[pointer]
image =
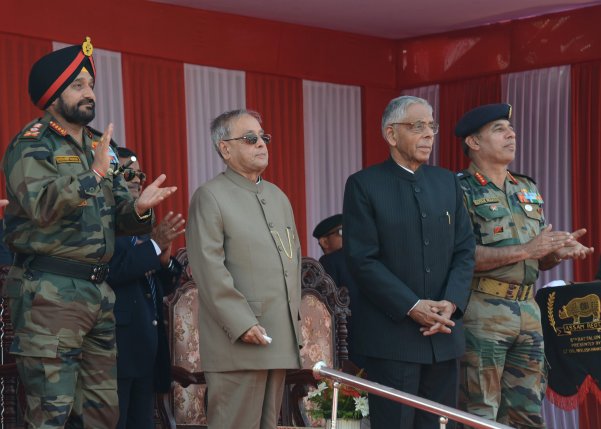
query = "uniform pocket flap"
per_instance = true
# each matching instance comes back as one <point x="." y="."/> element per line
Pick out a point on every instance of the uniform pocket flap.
<point x="38" y="345"/>
<point x="491" y="211"/>
<point x="533" y="211"/>
<point x="498" y="233"/>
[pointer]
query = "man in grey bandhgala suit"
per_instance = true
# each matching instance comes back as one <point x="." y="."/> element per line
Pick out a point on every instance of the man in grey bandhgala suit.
<point x="244" y="252"/>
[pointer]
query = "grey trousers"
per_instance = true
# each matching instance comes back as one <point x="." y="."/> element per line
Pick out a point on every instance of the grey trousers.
<point x="244" y="399"/>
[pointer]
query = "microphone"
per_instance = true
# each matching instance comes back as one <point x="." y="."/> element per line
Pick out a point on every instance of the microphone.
<point x="125" y="165"/>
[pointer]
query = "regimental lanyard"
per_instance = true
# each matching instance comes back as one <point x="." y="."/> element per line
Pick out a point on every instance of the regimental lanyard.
<point x="290" y="235"/>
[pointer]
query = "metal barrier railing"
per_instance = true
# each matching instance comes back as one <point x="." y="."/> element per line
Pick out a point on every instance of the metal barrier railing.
<point x="320" y="370"/>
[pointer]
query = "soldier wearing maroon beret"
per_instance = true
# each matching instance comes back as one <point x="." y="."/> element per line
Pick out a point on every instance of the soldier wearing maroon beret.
<point x="67" y="203"/>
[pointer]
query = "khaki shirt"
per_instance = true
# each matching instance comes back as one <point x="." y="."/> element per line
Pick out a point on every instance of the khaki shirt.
<point x="504" y="218"/>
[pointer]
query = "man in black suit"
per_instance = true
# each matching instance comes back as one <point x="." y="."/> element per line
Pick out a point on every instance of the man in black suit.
<point x="410" y="248"/>
<point x="141" y="272"/>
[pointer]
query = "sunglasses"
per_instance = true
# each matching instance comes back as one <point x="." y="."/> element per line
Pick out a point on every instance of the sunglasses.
<point x="252" y="138"/>
<point x="130" y="173"/>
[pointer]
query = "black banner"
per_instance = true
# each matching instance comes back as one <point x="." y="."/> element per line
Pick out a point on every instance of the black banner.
<point x="571" y="319"/>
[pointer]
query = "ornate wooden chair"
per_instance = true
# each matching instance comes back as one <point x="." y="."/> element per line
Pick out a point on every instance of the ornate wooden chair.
<point x="324" y="309"/>
<point x="184" y="404"/>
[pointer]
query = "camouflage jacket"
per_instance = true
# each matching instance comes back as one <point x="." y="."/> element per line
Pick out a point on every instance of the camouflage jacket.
<point x="504" y="218"/>
<point x="56" y="205"/>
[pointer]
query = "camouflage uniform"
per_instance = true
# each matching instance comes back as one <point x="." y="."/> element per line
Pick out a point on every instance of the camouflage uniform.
<point x="502" y="372"/>
<point x="64" y="326"/>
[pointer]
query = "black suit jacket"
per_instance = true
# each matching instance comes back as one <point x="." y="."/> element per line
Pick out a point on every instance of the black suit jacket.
<point x="142" y="348"/>
<point x="406" y="237"/>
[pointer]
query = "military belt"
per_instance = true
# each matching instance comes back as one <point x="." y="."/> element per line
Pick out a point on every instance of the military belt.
<point x="514" y="292"/>
<point x="95" y="273"/>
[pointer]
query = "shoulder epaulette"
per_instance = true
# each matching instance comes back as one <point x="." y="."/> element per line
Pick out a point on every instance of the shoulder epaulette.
<point x="511" y="174"/>
<point x="462" y="175"/>
<point x="34" y="130"/>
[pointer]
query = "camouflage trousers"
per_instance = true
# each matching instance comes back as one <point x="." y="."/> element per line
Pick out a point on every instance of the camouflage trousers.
<point x="502" y="374"/>
<point x="64" y="346"/>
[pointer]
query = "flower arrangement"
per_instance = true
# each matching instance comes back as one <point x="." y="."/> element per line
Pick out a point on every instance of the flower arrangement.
<point x="352" y="403"/>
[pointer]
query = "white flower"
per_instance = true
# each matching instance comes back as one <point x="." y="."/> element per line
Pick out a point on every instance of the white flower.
<point x="317" y="392"/>
<point x="362" y="406"/>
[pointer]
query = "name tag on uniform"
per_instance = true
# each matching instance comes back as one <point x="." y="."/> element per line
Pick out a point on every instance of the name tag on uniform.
<point x="481" y="201"/>
<point x="67" y="159"/>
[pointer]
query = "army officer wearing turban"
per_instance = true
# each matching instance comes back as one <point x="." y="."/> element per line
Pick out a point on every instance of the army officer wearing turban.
<point x="66" y="205"/>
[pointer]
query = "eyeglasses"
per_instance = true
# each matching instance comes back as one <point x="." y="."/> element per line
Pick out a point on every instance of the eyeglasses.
<point x="130" y="173"/>
<point x="337" y="231"/>
<point x="419" y="127"/>
<point x="252" y="138"/>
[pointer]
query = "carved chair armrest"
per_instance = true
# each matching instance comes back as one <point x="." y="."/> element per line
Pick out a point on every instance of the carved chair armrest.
<point x="185" y="378"/>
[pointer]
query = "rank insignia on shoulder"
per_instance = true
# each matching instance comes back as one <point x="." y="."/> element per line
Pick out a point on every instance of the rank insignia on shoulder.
<point x="480" y="178"/>
<point x="67" y="159"/>
<point x="58" y="129"/>
<point x="33" y="131"/>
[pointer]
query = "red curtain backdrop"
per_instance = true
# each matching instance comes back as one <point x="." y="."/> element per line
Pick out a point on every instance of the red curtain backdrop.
<point x="589" y="412"/>
<point x="279" y="100"/>
<point x="155" y="123"/>
<point x="374" y="101"/>
<point x="17" y="55"/>
<point x="586" y="161"/>
<point x="456" y="98"/>
<point x="210" y="38"/>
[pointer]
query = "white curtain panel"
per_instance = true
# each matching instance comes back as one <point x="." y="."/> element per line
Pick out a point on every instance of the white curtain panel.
<point x="108" y="90"/>
<point x="556" y="418"/>
<point x="332" y="127"/>
<point x="431" y="93"/>
<point x="541" y="116"/>
<point x="209" y="92"/>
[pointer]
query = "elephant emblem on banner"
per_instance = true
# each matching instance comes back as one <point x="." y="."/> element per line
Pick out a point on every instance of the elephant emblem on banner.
<point x="587" y="306"/>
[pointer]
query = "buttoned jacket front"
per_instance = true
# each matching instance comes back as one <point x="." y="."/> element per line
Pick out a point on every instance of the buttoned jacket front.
<point x="244" y="252"/>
